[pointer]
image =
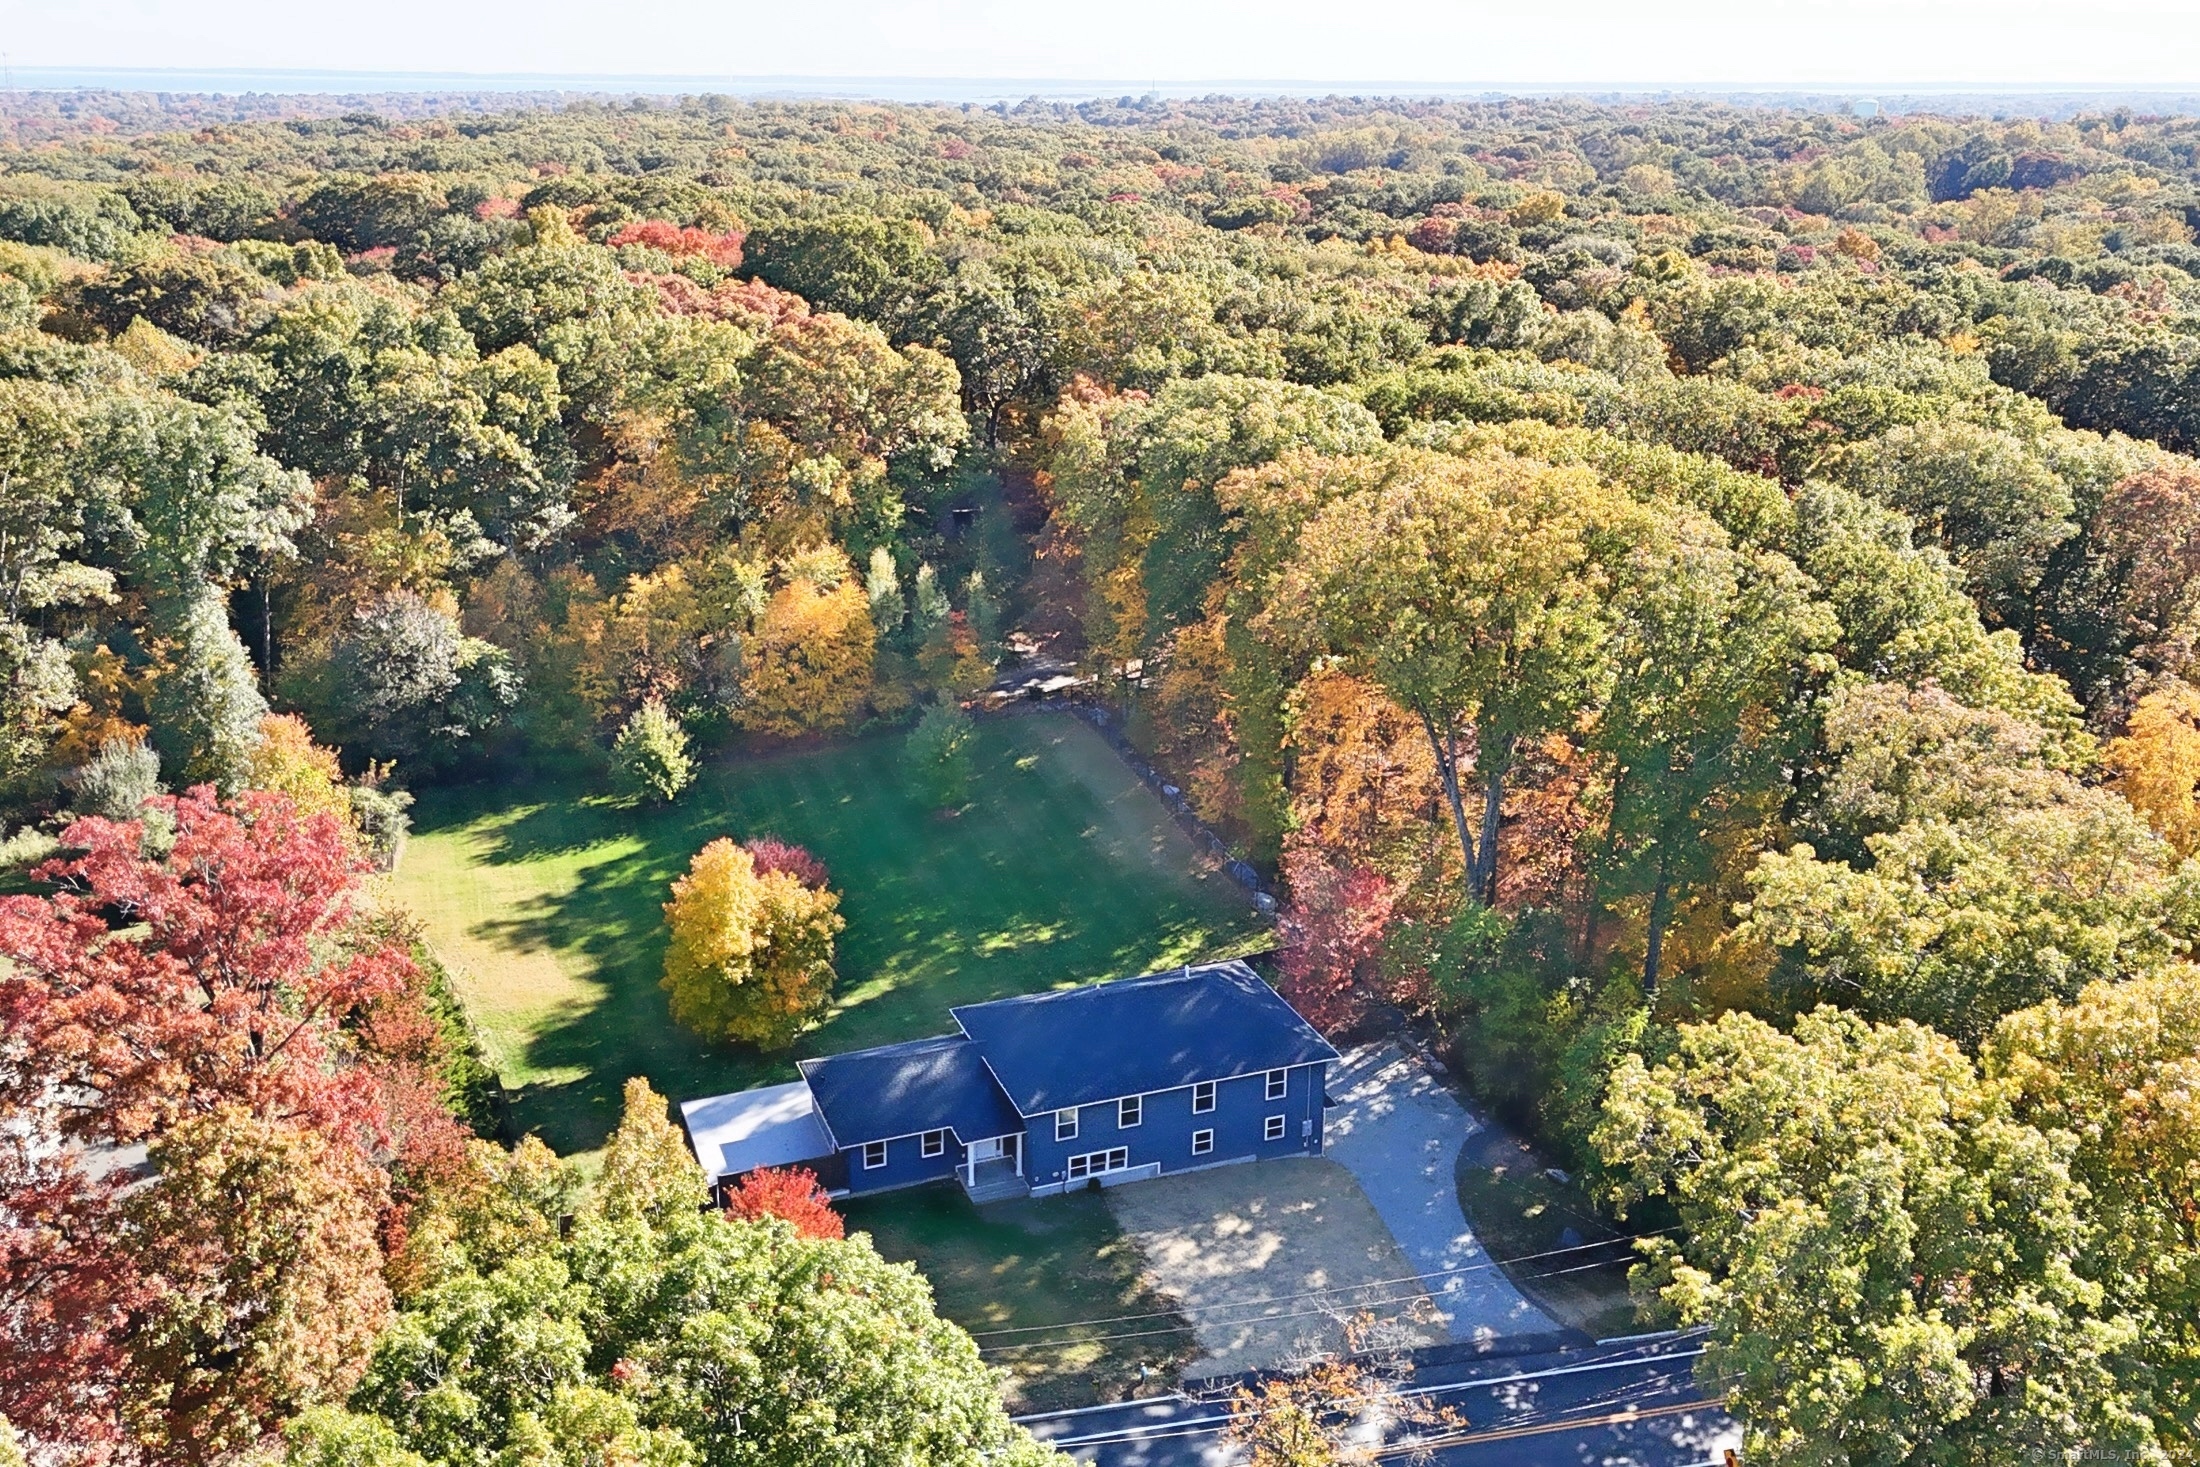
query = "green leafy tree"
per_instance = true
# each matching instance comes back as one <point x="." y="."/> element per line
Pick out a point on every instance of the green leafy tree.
<point x="1471" y="590"/>
<point x="199" y="501"/>
<point x="46" y="508"/>
<point x="121" y="777"/>
<point x="330" y="1436"/>
<point x="655" y="1333"/>
<point x="1954" y="923"/>
<point x="212" y="298"/>
<point x="1887" y="1260"/>
<point x="857" y="264"/>
<point x="2116" y="1069"/>
<point x="402" y="681"/>
<point x="648" y="1169"/>
<point x="882" y="586"/>
<point x="651" y="754"/>
<point x="206" y="705"/>
<point x="935" y="760"/>
<point x="1904" y="616"/>
<point x="1996" y="508"/>
<point x="1711" y="649"/>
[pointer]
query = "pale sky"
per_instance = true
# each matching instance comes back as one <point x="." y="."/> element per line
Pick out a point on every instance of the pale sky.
<point x="1706" y="43"/>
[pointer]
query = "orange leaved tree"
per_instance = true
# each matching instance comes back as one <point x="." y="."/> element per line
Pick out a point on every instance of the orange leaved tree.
<point x="790" y="1193"/>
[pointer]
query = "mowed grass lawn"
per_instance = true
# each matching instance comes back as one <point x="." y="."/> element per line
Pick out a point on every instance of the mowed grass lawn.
<point x="1012" y="1273"/>
<point x="546" y="901"/>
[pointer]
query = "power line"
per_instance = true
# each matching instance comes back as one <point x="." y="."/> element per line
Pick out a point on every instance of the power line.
<point x="1482" y="1266"/>
<point x="1329" y="1310"/>
<point x="1198" y="1425"/>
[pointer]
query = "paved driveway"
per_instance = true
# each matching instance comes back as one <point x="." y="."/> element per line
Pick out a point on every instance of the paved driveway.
<point x="1399" y="1131"/>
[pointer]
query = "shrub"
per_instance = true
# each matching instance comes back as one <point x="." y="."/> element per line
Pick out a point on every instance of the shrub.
<point x="380" y="813"/>
<point x="123" y="775"/>
<point x="651" y="754"/>
<point x="936" y="759"/>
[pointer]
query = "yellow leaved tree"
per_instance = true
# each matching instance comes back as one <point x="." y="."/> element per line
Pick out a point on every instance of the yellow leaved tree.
<point x="2157" y="763"/>
<point x="809" y="662"/>
<point x="288" y="761"/>
<point x="751" y="952"/>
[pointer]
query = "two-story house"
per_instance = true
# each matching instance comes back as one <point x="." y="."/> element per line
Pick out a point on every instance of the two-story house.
<point x="1200" y="1066"/>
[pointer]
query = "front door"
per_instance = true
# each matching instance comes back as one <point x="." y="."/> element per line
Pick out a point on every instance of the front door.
<point x="992" y="1150"/>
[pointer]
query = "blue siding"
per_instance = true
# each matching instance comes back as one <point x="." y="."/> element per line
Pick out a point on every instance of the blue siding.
<point x="1164" y="1134"/>
<point x="906" y="1165"/>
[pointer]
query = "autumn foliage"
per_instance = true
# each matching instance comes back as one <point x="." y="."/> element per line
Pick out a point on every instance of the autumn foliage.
<point x="722" y="250"/>
<point x="769" y="853"/>
<point x="810" y="660"/>
<point x="250" y="957"/>
<point x="751" y="952"/>
<point x="232" y="1002"/>
<point x="789" y="1193"/>
<point x="1332" y="932"/>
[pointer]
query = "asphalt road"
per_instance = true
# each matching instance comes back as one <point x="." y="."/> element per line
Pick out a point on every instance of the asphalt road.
<point x="1635" y="1405"/>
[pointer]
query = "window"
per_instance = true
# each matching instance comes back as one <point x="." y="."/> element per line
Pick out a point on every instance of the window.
<point x="1099" y="1163"/>
<point x="1065" y="1125"/>
<point x="1279" y="1081"/>
<point x="933" y="1144"/>
<point x="1129" y="1111"/>
<point x="1203" y="1097"/>
<point x="1273" y="1129"/>
<point x="1202" y="1142"/>
<point x="874" y="1155"/>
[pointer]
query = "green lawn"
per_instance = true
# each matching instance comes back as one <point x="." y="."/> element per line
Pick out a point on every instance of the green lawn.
<point x="1521" y="1212"/>
<point x="1011" y="1273"/>
<point x="546" y="903"/>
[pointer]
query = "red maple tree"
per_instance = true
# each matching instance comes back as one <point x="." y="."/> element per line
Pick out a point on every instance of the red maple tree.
<point x="221" y="972"/>
<point x="1332" y="930"/>
<point x="773" y="854"/>
<point x="723" y="250"/>
<point x="791" y="1193"/>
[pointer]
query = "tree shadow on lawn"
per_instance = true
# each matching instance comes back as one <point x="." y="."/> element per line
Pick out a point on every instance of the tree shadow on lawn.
<point x="1028" y="890"/>
<point x="1013" y="1272"/>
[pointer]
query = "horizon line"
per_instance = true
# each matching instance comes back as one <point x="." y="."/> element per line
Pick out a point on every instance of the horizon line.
<point x="59" y="78"/>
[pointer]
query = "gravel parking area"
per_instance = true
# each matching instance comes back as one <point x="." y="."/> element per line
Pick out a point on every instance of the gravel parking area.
<point x="1269" y="1259"/>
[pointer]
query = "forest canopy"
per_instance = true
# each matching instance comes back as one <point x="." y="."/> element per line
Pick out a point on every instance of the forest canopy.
<point x="1696" y="605"/>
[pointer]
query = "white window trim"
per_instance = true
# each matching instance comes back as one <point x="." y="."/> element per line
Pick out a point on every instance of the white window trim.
<point x="870" y="1147"/>
<point x="1065" y="1125"/>
<point x="1203" y="1097"/>
<point x="1130" y="1112"/>
<point x="933" y="1143"/>
<point x="1202" y="1142"/>
<point x="1114" y="1159"/>
<point x="1272" y="1129"/>
<point x="1279" y="1084"/>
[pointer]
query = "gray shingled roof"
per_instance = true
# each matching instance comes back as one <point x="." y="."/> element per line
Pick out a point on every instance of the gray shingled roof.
<point x="1139" y="1035"/>
<point x="897" y="1089"/>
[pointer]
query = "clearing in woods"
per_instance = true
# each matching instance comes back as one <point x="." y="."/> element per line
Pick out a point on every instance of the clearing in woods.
<point x="546" y="904"/>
